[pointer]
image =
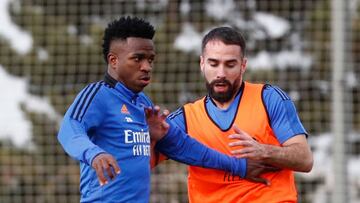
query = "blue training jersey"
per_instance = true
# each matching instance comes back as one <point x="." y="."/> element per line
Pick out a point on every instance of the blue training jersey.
<point x="282" y="113"/>
<point x="107" y="117"/>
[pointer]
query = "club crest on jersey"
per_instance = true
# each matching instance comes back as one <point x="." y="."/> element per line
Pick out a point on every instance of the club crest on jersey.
<point x="128" y="119"/>
<point x="124" y="109"/>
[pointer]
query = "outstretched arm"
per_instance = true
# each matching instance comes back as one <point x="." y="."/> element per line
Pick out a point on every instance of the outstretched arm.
<point x="178" y="146"/>
<point x="181" y="147"/>
<point x="294" y="154"/>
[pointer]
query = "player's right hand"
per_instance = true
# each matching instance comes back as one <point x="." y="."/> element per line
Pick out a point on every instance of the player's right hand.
<point x="105" y="163"/>
<point x="156" y="120"/>
<point x="256" y="168"/>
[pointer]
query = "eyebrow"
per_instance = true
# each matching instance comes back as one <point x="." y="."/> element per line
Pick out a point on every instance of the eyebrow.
<point x="226" y="61"/>
<point x="143" y="55"/>
<point x="212" y="60"/>
<point x="231" y="60"/>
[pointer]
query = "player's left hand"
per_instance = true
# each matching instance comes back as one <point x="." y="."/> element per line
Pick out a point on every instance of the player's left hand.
<point x="250" y="147"/>
<point x="255" y="169"/>
<point x="158" y="126"/>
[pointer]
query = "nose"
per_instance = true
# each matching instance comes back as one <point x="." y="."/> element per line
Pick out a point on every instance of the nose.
<point x="146" y="66"/>
<point x="220" y="72"/>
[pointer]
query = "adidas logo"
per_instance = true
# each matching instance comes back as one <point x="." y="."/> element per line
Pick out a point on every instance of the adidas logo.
<point x="124" y="109"/>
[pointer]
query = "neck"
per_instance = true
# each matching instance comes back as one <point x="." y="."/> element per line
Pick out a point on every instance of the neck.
<point x="115" y="79"/>
<point x="223" y="105"/>
<point x="113" y="74"/>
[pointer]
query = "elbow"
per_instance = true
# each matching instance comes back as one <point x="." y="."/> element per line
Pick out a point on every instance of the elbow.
<point x="307" y="164"/>
<point x="60" y="137"/>
<point x="308" y="167"/>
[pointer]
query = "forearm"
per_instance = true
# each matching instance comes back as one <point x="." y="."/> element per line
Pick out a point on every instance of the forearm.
<point x="295" y="157"/>
<point x="156" y="156"/>
<point x="76" y="143"/>
<point x="181" y="147"/>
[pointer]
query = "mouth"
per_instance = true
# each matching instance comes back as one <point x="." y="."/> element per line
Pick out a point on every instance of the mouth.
<point x="220" y="87"/>
<point x="145" y="79"/>
<point x="220" y="84"/>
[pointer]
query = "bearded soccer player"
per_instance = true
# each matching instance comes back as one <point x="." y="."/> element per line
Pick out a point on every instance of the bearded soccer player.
<point x="254" y="121"/>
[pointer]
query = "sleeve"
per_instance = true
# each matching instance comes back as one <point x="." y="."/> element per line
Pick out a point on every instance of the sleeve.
<point x="82" y="115"/>
<point x="177" y="117"/>
<point x="179" y="146"/>
<point x="284" y="119"/>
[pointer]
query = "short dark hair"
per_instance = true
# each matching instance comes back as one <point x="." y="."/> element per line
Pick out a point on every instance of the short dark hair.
<point x="123" y="28"/>
<point x="227" y="35"/>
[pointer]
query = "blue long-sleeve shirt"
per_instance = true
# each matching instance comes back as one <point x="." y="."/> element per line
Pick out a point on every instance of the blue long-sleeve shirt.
<point x="107" y="117"/>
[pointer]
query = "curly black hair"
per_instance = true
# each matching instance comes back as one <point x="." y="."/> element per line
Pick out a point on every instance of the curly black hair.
<point x="227" y="35"/>
<point x="123" y="28"/>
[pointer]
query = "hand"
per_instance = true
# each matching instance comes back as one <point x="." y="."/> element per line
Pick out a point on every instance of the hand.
<point x="105" y="162"/>
<point x="250" y="147"/>
<point x="255" y="169"/>
<point x="158" y="127"/>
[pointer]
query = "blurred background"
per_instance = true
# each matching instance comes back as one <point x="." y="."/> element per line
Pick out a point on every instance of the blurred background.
<point x="50" y="49"/>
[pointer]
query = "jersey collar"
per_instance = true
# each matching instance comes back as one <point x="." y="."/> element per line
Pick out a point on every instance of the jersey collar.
<point x="119" y="86"/>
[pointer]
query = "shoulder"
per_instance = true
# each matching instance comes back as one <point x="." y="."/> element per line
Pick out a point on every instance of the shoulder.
<point x="90" y="91"/>
<point x="276" y="101"/>
<point x="99" y="92"/>
<point x="93" y="88"/>
<point x="178" y="118"/>
<point x="198" y="101"/>
<point x="272" y="92"/>
<point x="86" y="99"/>
<point x="177" y="113"/>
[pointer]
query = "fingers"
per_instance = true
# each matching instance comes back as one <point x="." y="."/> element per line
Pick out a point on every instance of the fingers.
<point x="272" y="168"/>
<point x="115" y="166"/>
<point x="148" y="112"/>
<point x="152" y="111"/>
<point x="240" y="134"/>
<point x="260" y="180"/>
<point x="100" y="174"/>
<point x="240" y="137"/>
<point x="236" y="129"/>
<point x="110" y="167"/>
<point x="240" y="143"/>
<point x="165" y="125"/>
<point x="165" y="113"/>
<point x="155" y="111"/>
<point x="242" y="153"/>
<point x="105" y="163"/>
<point x="239" y="131"/>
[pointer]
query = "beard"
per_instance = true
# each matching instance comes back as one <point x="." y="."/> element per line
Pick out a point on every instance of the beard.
<point x="223" y="96"/>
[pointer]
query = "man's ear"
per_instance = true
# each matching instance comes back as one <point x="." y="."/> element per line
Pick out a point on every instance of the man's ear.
<point x="202" y="64"/>
<point x="243" y="65"/>
<point x="112" y="59"/>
